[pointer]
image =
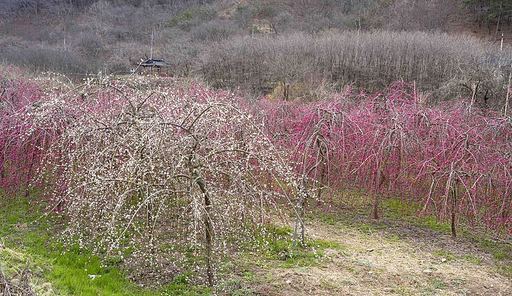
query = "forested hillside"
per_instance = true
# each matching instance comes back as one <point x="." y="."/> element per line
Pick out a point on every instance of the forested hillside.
<point x="79" y="37"/>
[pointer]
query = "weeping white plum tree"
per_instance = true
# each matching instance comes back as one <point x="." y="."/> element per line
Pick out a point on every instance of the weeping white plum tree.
<point x="173" y="170"/>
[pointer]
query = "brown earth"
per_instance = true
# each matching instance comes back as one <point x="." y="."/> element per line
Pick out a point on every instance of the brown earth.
<point x="387" y="263"/>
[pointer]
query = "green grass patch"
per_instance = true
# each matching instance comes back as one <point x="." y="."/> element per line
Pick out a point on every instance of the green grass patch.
<point x="276" y="243"/>
<point x="472" y="259"/>
<point x="449" y="256"/>
<point x="327" y="219"/>
<point x="30" y="240"/>
<point x="501" y="252"/>
<point x="437" y="284"/>
<point x="396" y="209"/>
<point x="498" y="251"/>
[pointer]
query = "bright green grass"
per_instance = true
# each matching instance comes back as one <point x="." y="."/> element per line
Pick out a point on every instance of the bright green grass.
<point x="30" y="240"/>
<point x="277" y="244"/>
<point x="395" y="209"/>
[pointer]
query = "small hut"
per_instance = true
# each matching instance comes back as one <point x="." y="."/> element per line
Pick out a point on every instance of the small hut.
<point x="153" y="63"/>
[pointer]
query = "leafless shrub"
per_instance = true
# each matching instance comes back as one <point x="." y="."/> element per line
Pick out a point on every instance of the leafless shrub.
<point x="214" y="31"/>
<point x="46" y="59"/>
<point x="192" y="16"/>
<point x="90" y="46"/>
<point x="412" y="15"/>
<point x="369" y="59"/>
<point x="182" y="56"/>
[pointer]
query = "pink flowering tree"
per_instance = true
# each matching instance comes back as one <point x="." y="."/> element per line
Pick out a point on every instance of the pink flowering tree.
<point x="21" y="144"/>
<point x="452" y="158"/>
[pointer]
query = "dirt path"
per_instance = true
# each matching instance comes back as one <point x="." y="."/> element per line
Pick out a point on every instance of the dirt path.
<point x="377" y="264"/>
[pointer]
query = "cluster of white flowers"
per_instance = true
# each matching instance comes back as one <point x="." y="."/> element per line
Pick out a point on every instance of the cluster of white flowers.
<point x="146" y="170"/>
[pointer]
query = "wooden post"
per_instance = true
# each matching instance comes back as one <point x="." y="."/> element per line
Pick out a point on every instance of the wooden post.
<point x="152" y="39"/>
<point x="473" y="96"/>
<point x="498" y="23"/>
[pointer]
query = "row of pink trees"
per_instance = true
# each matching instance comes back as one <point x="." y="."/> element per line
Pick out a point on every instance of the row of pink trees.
<point x="30" y="123"/>
<point x="453" y="160"/>
<point x="20" y="142"/>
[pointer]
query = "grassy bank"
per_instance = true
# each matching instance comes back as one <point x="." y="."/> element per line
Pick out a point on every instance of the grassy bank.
<point x="28" y="241"/>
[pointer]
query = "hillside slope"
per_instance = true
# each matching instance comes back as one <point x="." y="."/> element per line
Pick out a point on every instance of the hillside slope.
<point x="82" y="36"/>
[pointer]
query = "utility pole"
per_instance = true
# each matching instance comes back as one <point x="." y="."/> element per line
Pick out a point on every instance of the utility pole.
<point x="152" y="39"/>
<point x="498" y="23"/>
<point x="507" y="98"/>
<point x="501" y="44"/>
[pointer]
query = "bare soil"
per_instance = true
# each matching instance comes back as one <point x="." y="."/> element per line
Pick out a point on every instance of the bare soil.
<point x="394" y="261"/>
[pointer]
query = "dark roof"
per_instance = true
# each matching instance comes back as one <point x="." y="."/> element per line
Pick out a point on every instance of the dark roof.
<point x="154" y="62"/>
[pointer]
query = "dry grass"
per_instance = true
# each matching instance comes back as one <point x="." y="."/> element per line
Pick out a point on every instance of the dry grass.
<point x="373" y="264"/>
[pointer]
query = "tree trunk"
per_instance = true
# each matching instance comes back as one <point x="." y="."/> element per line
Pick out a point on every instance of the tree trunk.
<point x="208" y="228"/>
<point x="375" y="207"/>
<point x="286" y="91"/>
<point x="198" y="179"/>
<point x="323" y="163"/>
<point x="29" y="174"/>
<point x="454" y="209"/>
<point x="321" y="184"/>
<point x="376" y="194"/>
<point x="2" y="169"/>
<point x="299" y="231"/>
<point x="150" y="219"/>
<point x="507" y="98"/>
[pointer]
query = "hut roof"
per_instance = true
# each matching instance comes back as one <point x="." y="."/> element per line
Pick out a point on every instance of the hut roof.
<point x="153" y="63"/>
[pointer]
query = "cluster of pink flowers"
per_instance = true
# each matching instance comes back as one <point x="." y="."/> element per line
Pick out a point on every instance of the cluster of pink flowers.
<point x="451" y="155"/>
<point x="20" y="144"/>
